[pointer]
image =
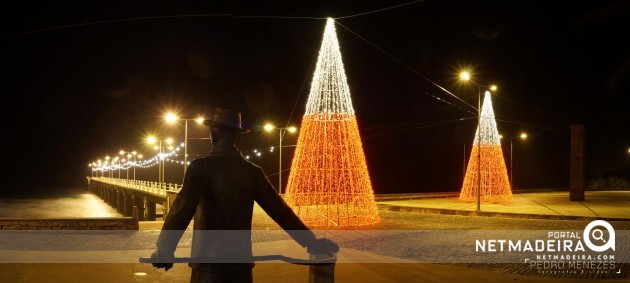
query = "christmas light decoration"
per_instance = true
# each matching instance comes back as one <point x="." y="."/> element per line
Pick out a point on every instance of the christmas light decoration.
<point x="495" y="185"/>
<point x="329" y="184"/>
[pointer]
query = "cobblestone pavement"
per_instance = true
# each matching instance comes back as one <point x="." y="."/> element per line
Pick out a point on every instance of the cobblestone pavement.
<point x="419" y="237"/>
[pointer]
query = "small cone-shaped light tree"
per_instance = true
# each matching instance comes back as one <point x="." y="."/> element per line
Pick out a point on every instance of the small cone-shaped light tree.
<point x="495" y="185"/>
<point x="329" y="184"/>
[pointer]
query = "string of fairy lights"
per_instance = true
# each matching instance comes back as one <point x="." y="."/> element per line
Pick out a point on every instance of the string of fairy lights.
<point x="120" y="163"/>
<point x="116" y="163"/>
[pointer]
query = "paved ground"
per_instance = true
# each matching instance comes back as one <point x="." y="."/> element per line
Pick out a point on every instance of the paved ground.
<point x="547" y="205"/>
<point x="385" y="252"/>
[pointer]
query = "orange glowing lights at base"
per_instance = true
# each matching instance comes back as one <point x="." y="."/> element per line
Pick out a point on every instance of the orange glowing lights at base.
<point x="494" y="179"/>
<point x="329" y="184"/>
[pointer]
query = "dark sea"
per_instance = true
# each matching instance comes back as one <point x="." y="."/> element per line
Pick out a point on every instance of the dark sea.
<point x="55" y="203"/>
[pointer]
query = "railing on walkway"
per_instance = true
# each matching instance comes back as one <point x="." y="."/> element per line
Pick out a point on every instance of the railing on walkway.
<point x="155" y="188"/>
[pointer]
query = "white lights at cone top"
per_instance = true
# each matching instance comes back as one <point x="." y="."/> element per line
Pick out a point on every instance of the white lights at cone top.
<point x="489" y="131"/>
<point x="329" y="89"/>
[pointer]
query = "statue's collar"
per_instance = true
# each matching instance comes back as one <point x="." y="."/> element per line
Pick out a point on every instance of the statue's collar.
<point x="228" y="150"/>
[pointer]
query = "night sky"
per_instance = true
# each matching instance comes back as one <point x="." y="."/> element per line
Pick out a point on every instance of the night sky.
<point x="71" y="95"/>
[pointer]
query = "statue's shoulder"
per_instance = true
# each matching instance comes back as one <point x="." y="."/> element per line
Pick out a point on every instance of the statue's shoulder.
<point x="251" y="165"/>
<point x="200" y="161"/>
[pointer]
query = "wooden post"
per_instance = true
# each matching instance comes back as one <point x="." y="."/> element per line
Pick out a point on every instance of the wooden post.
<point x="321" y="273"/>
<point x="576" y="181"/>
<point x="150" y="206"/>
<point x="135" y="216"/>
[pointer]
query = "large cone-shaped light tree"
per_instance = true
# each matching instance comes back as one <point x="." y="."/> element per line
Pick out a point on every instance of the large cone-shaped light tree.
<point x="329" y="184"/>
<point x="495" y="185"/>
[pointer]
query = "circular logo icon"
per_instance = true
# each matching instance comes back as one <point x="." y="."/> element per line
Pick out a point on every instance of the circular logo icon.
<point x="601" y="244"/>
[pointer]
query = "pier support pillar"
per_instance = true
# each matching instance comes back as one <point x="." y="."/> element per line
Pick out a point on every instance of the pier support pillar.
<point x="139" y="202"/>
<point x="108" y="200"/>
<point x="119" y="207"/>
<point x="150" y="206"/>
<point x="128" y="204"/>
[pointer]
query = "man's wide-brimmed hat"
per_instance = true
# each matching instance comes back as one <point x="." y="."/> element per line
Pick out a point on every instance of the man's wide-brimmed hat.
<point x="226" y="119"/>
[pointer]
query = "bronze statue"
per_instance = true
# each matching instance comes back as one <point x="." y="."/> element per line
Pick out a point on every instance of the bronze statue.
<point x="220" y="190"/>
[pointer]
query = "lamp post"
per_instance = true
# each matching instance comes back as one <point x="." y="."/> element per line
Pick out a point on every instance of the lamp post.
<point x="522" y="136"/>
<point x="152" y="140"/>
<point x="172" y="118"/>
<point x="129" y="158"/>
<point x="122" y="153"/>
<point x="99" y="164"/>
<point x="117" y="162"/>
<point x="465" y="76"/>
<point x="138" y="156"/>
<point x="106" y="164"/>
<point x="281" y="131"/>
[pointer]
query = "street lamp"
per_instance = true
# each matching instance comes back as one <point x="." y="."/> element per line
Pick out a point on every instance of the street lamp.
<point x="465" y="76"/>
<point x="152" y="140"/>
<point x="106" y="163"/>
<point x="91" y="170"/>
<point x="171" y="118"/>
<point x="122" y="153"/>
<point x="138" y="156"/>
<point x="99" y="163"/>
<point x="133" y="155"/>
<point x="117" y="162"/>
<point x="269" y="127"/>
<point x="522" y="136"/>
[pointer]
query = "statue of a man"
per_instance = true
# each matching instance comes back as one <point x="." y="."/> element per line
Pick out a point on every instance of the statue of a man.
<point x="220" y="190"/>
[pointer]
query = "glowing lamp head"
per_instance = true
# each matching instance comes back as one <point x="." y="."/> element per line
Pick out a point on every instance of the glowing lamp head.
<point x="170" y="147"/>
<point x="465" y="76"/>
<point x="494" y="87"/>
<point x="200" y="120"/>
<point x="292" y="129"/>
<point x="500" y="136"/>
<point x="269" y="127"/>
<point x="171" y="118"/>
<point x="121" y="152"/>
<point x="107" y="157"/>
<point x="169" y="141"/>
<point x="134" y="152"/>
<point x="151" y="139"/>
<point x="139" y="156"/>
<point x="523" y="136"/>
<point x="156" y="147"/>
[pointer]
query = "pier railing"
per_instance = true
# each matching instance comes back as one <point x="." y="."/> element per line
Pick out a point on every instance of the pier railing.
<point x="155" y="188"/>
